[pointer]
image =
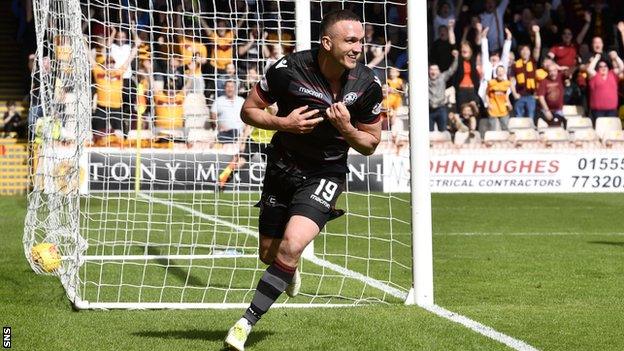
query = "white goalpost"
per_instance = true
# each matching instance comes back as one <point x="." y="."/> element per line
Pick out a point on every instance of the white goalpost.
<point x="129" y="149"/>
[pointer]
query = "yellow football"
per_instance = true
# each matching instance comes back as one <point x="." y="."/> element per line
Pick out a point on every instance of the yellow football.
<point x="46" y="256"/>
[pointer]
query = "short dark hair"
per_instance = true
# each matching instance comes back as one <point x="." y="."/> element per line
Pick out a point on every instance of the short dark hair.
<point x="336" y="16"/>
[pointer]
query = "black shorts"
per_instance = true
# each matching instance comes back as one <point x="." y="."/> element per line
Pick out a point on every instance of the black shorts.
<point x="287" y="192"/>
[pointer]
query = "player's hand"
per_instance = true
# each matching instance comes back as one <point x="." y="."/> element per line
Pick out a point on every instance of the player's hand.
<point x="620" y="26"/>
<point x="300" y="122"/>
<point x="339" y="116"/>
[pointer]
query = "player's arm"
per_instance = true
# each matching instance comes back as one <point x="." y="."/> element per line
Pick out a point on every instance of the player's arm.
<point x="363" y="137"/>
<point x="297" y="122"/>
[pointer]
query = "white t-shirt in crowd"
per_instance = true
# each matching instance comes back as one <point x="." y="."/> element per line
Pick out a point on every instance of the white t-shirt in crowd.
<point x="228" y="112"/>
<point x="120" y="54"/>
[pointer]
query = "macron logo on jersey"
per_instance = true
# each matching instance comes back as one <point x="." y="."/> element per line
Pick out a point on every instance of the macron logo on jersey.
<point x="281" y="63"/>
<point x="311" y="92"/>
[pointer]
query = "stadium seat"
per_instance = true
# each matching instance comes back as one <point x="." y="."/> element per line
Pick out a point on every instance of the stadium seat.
<point x="463" y="138"/>
<point x="556" y="137"/>
<point x="585" y="138"/>
<point x="611" y="137"/>
<point x="440" y="140"/>
<point x="522" y="136"/>
<point x="573" y="110"/>
<point x="575" y="123"/>
<point x="440" y="137"/>
<point x="497" y="139"/>
<point x="586" y="134"/>
<point x="605" y="124"/>
<point x="521" y="123"/>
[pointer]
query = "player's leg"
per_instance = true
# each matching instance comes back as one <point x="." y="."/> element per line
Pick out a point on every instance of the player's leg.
<point x="272" y="223"/>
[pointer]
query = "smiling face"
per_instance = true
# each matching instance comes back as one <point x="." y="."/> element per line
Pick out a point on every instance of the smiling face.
<point x="434" y="72"/>
<point x="343" y="42"/>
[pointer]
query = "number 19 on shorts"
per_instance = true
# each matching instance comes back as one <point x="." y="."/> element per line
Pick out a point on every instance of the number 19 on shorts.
<point x="326" y="189"/>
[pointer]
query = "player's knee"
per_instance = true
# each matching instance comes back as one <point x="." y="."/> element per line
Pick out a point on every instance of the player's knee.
<point x="291" y="249"/>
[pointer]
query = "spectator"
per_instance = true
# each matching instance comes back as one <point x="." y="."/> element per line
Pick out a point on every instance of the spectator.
<point x="565" y="53"/>
<point x="12" y="122"/>
<point x="389" y="106"/>
<point x="444" y="14"/>
<point x="169" y="110"/>
<point x="525" y="78"/>
<point x="226" y="113"/>
<point x="488" y="62"/>
<point x="251" y="79"/>
<point x="195" y="107"/>
<point x="493" y="18"/>
<point x="222" y="39"/>
<point x="466" y="120"/>
<point x="230" y="74"/>
<point x="109" y="89"/>
<point x="396" y="85"/>
<point x="249" y="53"/>
<point x="603" y="85"/>
<point x="379" y="63"/>
<point x="466" y="78"/>
<point x="121" y="51"/>
<point x="273" y="53"/>
<point x="499" y="104"/>
<point x="438" y="113"/>
<point x="441" y="48"/>
<point x="550" y="96"/>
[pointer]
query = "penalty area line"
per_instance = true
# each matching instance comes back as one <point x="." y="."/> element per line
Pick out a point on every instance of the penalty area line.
<point x="482" y="329"/>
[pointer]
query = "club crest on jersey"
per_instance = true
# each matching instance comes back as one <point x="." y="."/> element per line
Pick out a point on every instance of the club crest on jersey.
<point x="350" y="98"/>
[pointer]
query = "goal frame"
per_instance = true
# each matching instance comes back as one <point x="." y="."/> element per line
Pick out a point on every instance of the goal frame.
<point x="421" y="290"/>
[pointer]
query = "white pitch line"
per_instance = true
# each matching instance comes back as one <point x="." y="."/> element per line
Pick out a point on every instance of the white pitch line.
<point x="435" y="309"/>
<point x="529" y="234"/>
<point x="479" y="328"/>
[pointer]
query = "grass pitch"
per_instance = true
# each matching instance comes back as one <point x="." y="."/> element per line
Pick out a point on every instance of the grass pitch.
<point x="546" y="269"/>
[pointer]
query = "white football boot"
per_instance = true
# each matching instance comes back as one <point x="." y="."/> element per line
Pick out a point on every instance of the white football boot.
<point x="237" y="335"/>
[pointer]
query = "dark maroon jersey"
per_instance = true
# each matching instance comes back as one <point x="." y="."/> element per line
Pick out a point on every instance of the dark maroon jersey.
<point x="296" y="80"/>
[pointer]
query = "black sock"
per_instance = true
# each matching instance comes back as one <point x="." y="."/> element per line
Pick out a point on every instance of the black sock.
<point x="272" y="284"/>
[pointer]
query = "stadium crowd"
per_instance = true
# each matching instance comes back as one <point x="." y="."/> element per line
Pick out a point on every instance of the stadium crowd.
<point x="495" y="60"/>
<point x="184" y="76"/>
<point x="490" y="62"/>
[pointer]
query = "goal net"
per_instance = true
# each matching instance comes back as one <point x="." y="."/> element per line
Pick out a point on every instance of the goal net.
<point x="140" y="174"/>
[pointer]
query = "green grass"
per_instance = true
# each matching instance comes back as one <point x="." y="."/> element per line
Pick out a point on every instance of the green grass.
<point x="546" y="269"/>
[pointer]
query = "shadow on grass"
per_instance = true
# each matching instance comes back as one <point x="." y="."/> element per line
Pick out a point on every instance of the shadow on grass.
<point x="612" y="243"/>
<point x="198" y="334"/>
<point x="180" y="273"/>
